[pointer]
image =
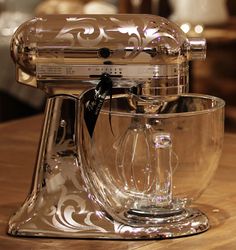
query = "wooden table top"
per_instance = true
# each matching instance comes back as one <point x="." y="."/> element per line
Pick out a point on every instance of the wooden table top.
<point x="18" y="147"/>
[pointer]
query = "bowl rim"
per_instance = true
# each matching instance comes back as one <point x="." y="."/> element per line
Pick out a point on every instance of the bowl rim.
<point x="218" y="104"/>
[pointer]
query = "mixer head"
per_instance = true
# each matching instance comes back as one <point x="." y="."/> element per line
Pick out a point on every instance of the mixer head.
<point x="57" y="52"/>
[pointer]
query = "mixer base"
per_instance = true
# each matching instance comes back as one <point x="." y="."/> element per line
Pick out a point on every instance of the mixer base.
<point x="192" y="222"/>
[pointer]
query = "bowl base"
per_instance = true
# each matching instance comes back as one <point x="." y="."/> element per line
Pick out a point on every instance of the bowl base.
<point x="188" y="221"/>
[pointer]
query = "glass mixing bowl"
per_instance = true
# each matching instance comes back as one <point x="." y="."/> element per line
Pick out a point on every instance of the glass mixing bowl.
<point x="146" y="167"/>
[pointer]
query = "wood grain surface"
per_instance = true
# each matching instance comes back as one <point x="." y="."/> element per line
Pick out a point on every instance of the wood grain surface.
<point x="18" y="147"/>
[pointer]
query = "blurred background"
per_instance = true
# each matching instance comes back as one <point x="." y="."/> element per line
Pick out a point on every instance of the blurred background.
<point x="213" y="19"/>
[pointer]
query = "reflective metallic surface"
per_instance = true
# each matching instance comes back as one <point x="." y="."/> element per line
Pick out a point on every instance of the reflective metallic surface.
<point x="54" y="48"/>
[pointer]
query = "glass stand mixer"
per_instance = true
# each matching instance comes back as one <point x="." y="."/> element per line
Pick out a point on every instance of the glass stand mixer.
<point x="124" y="148"/>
